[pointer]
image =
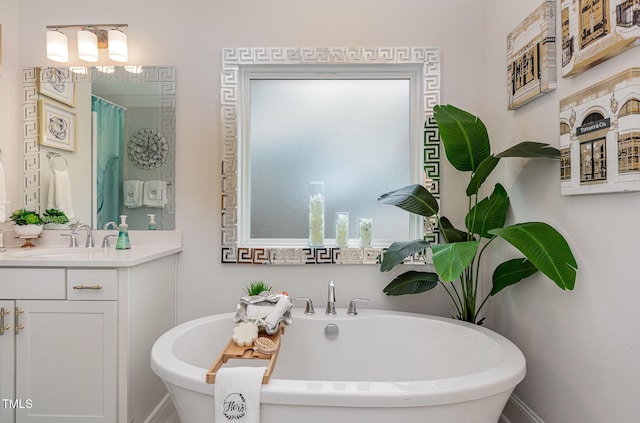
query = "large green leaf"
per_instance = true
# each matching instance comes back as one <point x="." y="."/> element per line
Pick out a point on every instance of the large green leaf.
<point x="412" y="198"/>
<point x="450" y="260"/>
<point x="490" y="213"/>
<point x="451" y="234"/>
<point x="545" y="247"/>
<point x="398" y="251"/>
<point x="531" y="149"/>
<point x="481" y="174"/>
<point x="464" y="136"/>
<point x="510" y="272"/>
<point x="412" y="282"/>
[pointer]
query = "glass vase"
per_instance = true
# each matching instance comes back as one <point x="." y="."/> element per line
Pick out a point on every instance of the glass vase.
<point x="365" y="231"/>
<point x="342" y="229"/>
<point x="316" y="214"/>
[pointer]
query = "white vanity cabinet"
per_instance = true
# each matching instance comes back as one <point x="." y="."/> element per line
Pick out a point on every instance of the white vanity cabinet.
<point x="76" y="341"/>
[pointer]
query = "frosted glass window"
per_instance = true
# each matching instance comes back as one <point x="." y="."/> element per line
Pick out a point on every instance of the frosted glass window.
<point x="353" y="134"/>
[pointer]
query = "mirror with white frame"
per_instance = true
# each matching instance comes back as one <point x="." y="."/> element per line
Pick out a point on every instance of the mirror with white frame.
<point x="357" y="119"/>
<point x="99" y="142"/>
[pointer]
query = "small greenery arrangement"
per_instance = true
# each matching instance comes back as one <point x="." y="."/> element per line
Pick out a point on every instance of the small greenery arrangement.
<point x="29" y="217"/>
<point x="54" y="216"/>
<point x="23" y="217"/>
<point x="257" y="287"/>
<point x="457" y="260"/>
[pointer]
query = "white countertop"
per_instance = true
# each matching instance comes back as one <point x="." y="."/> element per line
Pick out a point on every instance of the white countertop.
<point x="50" y="252"/>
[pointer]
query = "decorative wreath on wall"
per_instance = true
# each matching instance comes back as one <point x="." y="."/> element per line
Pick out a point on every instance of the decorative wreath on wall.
<point x="148" y="149"/>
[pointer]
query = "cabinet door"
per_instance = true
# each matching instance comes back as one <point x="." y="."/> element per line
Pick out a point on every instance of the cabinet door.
<point x="66" y="361"/>
<point x="7" y="361"/>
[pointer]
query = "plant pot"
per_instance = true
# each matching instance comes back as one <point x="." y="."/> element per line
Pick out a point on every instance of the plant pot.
<point x="28" y="230"/>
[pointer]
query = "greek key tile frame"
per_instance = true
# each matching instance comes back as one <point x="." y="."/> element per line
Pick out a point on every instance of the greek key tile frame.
<point x="232" y="59"/>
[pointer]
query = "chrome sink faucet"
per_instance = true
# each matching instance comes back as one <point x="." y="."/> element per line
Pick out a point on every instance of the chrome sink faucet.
<point x="80" y="226"/>
<point x="331" y="300"/>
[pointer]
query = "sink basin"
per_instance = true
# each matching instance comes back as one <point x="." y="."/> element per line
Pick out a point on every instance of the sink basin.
<point x="62" y="253"/>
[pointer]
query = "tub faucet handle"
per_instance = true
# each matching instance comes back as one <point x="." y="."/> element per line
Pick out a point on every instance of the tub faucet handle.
<point x="351" y="311"/>
<point x="308" y="309"/>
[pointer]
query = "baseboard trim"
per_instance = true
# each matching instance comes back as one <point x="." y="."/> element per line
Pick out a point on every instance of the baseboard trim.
<point x="164" y="412"/>
<point x="516" y="411"/>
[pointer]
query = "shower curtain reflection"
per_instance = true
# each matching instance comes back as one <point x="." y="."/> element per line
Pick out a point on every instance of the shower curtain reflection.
<point x="109" y="130"/>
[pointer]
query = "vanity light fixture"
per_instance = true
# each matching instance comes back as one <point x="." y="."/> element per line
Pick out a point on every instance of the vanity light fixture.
<point x="90" y="39"/>
<point x="57" y="46"/>
<point x="87" y="45"/>
<point x="118" y="51"/>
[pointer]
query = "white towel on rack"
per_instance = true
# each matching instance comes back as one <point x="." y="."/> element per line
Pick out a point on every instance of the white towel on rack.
<point x="237" y="394"/>
<point x="155" y="194"/>
<point x="132" y="192"/>
<point x="3" y="195"/>
<point x="59" y="196"/>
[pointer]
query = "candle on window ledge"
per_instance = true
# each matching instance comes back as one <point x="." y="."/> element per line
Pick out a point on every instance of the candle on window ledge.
<point x="316" y="213"/>
<point x="342" y="229"/>
<point x="365" y="228"/>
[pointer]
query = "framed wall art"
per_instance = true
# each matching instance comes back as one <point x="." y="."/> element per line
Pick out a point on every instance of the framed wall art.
<point x="531" y="56"/>
<point x="595" y="30"/>
<point x="600" y="137"/>
<point x="57" y="125"/>
<point x="58" y="84"/>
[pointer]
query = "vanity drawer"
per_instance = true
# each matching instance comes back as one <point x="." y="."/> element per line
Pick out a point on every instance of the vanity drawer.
<point x="92" y="284"/>
<point x="32" y="284"/>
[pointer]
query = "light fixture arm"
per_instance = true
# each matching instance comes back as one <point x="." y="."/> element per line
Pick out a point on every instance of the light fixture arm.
<point x="116" y="26"/>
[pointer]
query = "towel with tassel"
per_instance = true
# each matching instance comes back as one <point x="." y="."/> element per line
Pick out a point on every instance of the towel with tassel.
<point x="132" y="192"/>
<point x="155" y="194"/>
<point x="3" y="195"/>
<point x="237" y="394"/>
<point x="59" y="195"/>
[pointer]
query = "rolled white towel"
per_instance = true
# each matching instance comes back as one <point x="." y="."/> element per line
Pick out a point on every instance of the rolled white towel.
<point x="259" y="311"/>
<point x="281" y="307"/>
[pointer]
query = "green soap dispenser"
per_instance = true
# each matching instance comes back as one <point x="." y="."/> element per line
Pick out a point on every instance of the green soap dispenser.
<point x="123" y="242"/>
<point x="152" y="222"/>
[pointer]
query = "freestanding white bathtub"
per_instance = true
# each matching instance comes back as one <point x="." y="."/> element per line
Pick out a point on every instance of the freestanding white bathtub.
<point x="383" y="366"/>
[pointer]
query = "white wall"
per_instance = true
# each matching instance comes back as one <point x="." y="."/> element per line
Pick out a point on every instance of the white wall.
<point x="581" y="346"/>
<point x="190" y="35"/>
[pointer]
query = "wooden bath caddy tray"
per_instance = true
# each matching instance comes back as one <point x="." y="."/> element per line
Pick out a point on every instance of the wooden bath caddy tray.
<point x="236" y="352"/>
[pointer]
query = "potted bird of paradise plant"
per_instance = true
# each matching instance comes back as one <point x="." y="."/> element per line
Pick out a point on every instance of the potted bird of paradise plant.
<point x="457" y="259"/>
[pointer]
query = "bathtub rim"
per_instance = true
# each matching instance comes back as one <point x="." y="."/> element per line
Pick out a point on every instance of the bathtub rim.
<point x="499" y="379"/>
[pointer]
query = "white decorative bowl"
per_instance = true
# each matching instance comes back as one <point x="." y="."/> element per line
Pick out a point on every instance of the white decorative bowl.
<point x="28" y="230"/>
